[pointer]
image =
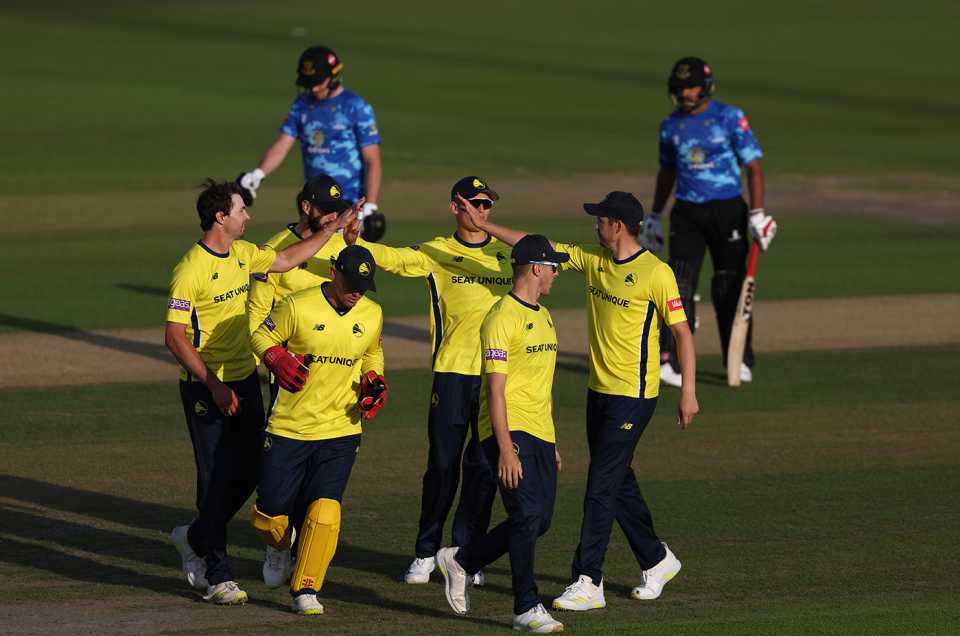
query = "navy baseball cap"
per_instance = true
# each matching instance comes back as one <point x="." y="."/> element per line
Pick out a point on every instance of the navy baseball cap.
<point x="325" y="193"/>
<point x="316" y="64"/>
<point x="469" y="187"/>
<point x="689" y="71"/>
<point x="619" y="205"/>
<point x="357" y="266"/>
<point x="536" y="248"/>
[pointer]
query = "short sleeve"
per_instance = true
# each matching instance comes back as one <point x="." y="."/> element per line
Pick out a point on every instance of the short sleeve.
<point x="263" y="289"/>
<point x="496" y="332"/>
<point x="580" y="258"/>
<point x="184" y="293"/>
<point x="291" y="125"/>
<point x="275" y="328"/>
<point x="745" y="144"/>
<point x="365" y="125"/>
<point x="259" y="258"/>
<point x="668" y="152"/>
<point x="666" y="296"/>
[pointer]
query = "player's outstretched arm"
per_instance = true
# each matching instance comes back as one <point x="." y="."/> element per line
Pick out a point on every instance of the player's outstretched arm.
<point x="175" y="337"/>
<point x="299" y="252"/>
<point x="688" y="407"/>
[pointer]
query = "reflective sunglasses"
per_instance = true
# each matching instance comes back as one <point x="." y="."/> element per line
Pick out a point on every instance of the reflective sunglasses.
<point x="555" y="266"/>
<point x="481" y="204"/>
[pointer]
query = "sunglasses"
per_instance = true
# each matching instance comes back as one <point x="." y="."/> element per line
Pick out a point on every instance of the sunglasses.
<point x="547" y="263"/>
<point x="481" y="204"/>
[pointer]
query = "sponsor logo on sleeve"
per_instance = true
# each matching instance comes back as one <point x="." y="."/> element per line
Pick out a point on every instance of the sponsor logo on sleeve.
<point x="495" y="354"/>
<point x="178" y="304"/>
<point x="268" y="321"/>
<point x="744" y="124"/>
<point x="260" y="277"/>
<point x="675" y="305"/>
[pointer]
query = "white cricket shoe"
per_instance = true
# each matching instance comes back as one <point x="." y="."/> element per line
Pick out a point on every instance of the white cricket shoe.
<point x="581" y="595"/>
<point x="419" y="571"/>
<point x="278" y="565"/>
<point x="479" y="580"/>
<point x="537" y="621"/>
<point x="656" y="577"/>
<point x="226" y="593"/>
<point x="670" y="377"/>
<point x="746" y="374"/>
<point x="307" y="605"/>
<point x="456" y="583"/>
<point x="194" y="567"/>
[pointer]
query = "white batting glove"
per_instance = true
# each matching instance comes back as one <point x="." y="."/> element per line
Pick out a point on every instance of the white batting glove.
<point x="652" y="235"/>
<point x="367" y="210"/>
<point x="763" y="227"/>
<point x="251" y="181"/>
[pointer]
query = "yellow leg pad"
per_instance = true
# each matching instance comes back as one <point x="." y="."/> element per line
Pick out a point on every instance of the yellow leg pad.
<point x="272" y="530"/>
<point x="318" y="542"/>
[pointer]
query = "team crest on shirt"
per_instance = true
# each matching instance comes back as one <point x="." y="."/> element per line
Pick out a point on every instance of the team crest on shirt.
<point x="358" y="330"/>
<point x="630" y="280"/>
<point x="316" y="138"/>
<point x="200" y="408"/>
<point x="697" y="155"/>
<point x="501" y="257"/>
<point x="215" y="276"/>
<point x="529" y="325"/>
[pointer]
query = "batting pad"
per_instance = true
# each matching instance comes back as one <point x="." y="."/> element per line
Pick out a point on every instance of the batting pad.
<point x="321" y="529"/>
<point x="272" y="530"/>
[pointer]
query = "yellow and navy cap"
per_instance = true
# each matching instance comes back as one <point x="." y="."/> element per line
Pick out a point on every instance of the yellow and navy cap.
<point x="357" y="266"/>
<point x="469" y="187"/>
<point x="536" y="248"/>
<point x="325" y="193"/>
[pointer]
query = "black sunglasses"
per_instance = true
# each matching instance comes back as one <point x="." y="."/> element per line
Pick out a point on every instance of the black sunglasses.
<point x="481" y="204"/>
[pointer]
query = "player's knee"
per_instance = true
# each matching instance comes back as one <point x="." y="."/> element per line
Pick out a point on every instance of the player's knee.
<point x="272" y="529"/>
<point x="544" y="525"/>
<point x="725" y="285"/>
<point x="324" y="512"/>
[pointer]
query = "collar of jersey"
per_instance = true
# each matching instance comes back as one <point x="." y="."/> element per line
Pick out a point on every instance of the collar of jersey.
<point x="293" y="230"/>
<point x="629" y="258"/>
<point x="482" y="243"/>
<point x="211" y="252"/>
<point x="524" y="303"/>
<point x="340" y="310"/>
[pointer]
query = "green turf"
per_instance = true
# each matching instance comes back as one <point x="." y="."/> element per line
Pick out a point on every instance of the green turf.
<point x="139" y="95"/>
<point x="97" y="279"/>
<point x="818" y="500"/>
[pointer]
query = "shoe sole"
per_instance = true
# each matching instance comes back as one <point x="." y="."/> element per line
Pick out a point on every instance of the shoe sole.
<point x="237" y="601"/>
<point x="556" y="606"/>
<point x="446" y="588"/>
<point x="314" y="611"/>
<point x="552" y="630"/>
<point x="416" y="581"/>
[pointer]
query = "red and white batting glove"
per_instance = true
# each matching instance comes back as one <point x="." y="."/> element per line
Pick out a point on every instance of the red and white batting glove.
<point x="373" y="394"/>
<point x="290" y="369"/>
<point x="762" y="227"/>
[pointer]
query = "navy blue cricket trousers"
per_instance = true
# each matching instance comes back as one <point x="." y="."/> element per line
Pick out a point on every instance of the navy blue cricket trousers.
<point x="454" y="408"/>
<point x="226" y="450"/>
<point x="614" y="426"/>
<point x="529" y="511"/>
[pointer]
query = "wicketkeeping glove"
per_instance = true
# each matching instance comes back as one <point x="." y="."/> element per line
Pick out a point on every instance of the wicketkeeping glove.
<point x="652" y="237"/>
<point x="762" y="227"/>
<point x="373" y="394"/>
<point x="290" y="369"/>
<point x="250" y="181"/>
<point x="374" y="223"/>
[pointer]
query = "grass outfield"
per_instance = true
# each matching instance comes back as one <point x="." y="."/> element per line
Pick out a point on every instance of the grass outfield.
<point x="143" y="95"/>
<point x="821" y="499"/>
<point x="104" y="279"/>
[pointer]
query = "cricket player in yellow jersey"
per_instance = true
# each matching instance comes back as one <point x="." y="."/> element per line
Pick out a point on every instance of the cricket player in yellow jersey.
<point x="207" y="333"/>
<point x="466" y="273"/>
<point x="631" y="295"/>
<point x="318" y="203"/>
<point x="519" y="345"/>
<point x="324" y="345"/>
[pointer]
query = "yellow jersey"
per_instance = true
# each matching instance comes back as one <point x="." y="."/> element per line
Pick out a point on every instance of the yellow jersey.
<point x="208" y="294"/>
<point x="267" y="289"/>
<point x="341" y="346"/>
<point x="464" y="280"/>
<point x="628" y="301"/>
<point x="518" y="340"/>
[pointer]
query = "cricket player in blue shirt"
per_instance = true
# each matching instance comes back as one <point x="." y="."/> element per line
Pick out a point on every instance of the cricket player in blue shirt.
<point x="703" y="144"/>
<point x="338" y="137"/>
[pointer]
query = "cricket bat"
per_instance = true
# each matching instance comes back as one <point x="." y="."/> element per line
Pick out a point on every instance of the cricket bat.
<point x="741" y="319"/>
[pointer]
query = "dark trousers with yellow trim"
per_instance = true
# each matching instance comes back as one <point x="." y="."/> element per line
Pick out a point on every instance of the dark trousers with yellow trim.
<point x="454" y="407"/>
<point x="226" y="450"/>
<point x="614" y="426"/>
<point x="529" y="509"/>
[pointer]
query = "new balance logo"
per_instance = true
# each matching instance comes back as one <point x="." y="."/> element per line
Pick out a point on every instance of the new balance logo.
<point x="626" y="426"/>
<point x="319" y="327"/>
<point x="457" y="259"/>
<point x="216" y="275"/>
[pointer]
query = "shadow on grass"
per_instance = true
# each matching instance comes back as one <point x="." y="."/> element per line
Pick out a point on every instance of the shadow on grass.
<point x="147" y="350"/>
